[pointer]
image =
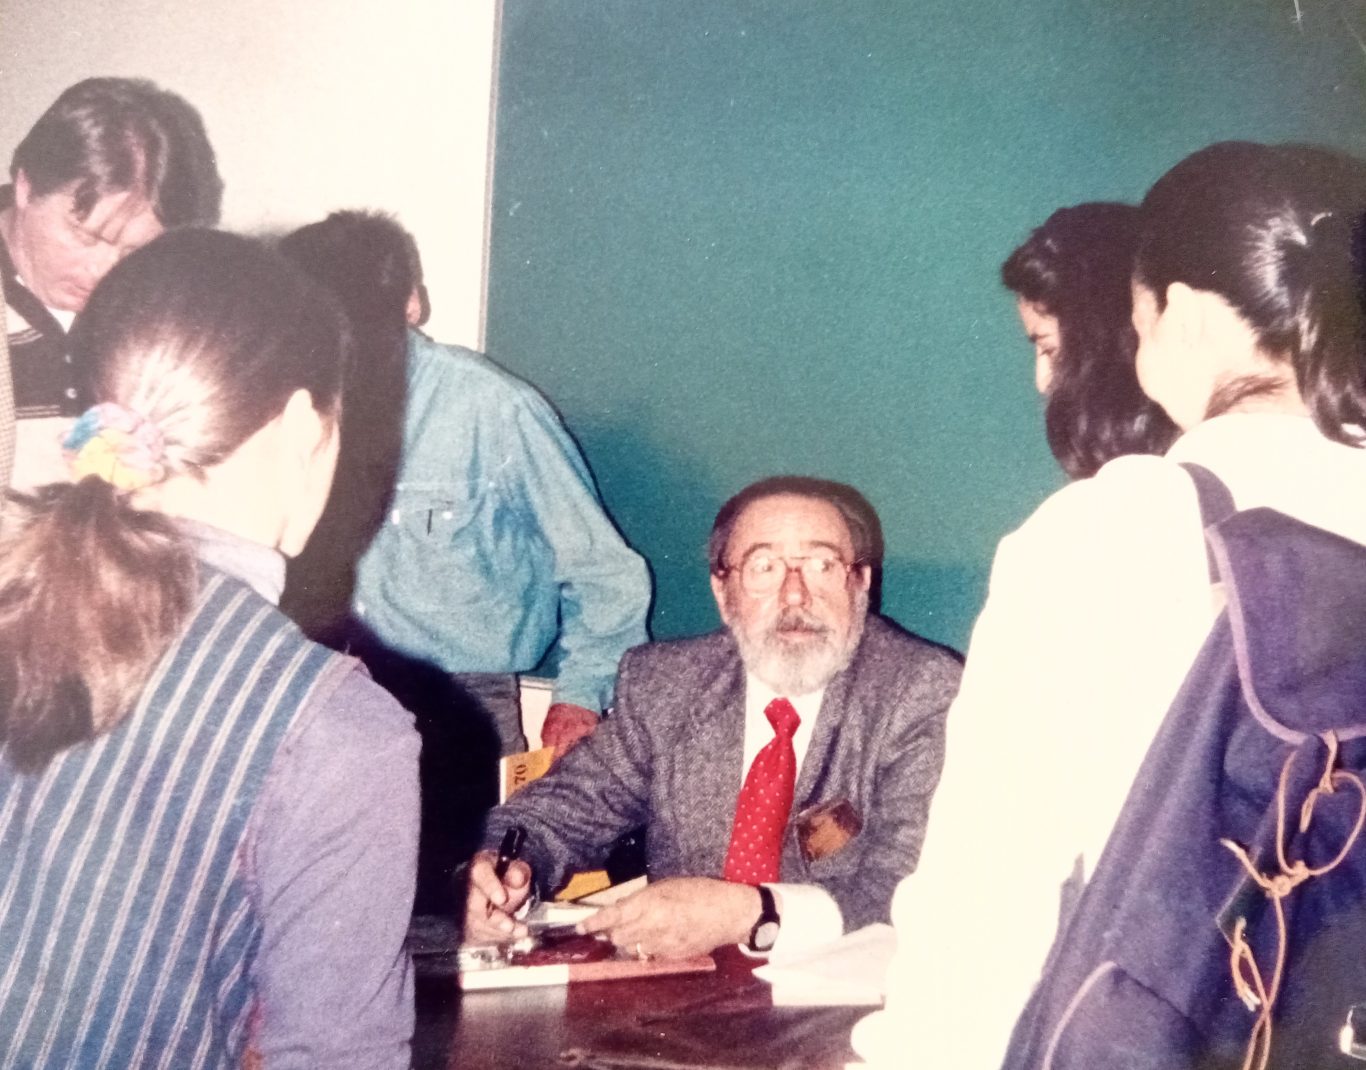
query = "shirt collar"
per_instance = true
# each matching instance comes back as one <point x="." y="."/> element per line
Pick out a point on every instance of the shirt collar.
<point x="759" y="694"/>
<point x="1251" y="429"/>
<point x="759" y="731"/>
<point x="259" y="567"/>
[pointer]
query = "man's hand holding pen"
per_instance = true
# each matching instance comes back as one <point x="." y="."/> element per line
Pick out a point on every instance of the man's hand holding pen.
<point x="498" y="886"/>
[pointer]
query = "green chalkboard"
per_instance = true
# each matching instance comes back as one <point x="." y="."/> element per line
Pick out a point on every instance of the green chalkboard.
<point x="731" y="239"/>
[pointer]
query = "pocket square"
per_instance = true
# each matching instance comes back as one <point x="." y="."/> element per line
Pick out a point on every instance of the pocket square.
<point x="824" y="829"/>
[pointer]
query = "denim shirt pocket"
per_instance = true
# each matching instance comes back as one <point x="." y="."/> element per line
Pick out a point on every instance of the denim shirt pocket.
<point x="447" y="552"/>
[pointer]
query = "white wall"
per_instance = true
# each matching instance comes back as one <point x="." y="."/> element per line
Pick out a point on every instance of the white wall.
<point x="310" y="104"/>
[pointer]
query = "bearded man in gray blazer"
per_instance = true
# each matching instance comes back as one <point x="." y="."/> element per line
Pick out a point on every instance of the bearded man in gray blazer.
<point x="762" y="826"/>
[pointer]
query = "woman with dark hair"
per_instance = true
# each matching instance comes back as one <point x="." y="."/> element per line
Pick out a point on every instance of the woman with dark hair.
<point x="207" y="822"/>
<point x="1248" y="307"/>
<point x="1071" y="281"/>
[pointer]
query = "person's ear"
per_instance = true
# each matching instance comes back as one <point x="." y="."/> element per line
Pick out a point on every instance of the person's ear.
<point x="306" y="445"/>
<point x="414" y="311"/>
<point x="1199" y="320"/>
<point x="865" y="576"/>
<point x="304" y="429"/>
<point x="1184" y="314"/>
<point x="23" y="189"/>
<point x="718" y="590"/>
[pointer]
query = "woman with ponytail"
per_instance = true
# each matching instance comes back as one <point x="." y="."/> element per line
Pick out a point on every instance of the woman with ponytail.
<point x="207" y="822"/>
<point x="1248" y="309"/>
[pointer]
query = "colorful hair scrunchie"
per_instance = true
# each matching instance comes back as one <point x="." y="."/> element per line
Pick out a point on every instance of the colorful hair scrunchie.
<point x="120" y="446"/>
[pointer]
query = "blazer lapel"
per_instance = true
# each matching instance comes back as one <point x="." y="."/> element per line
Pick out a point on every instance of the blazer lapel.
<point x="710" y="779"/>
<point x="839" y="706"/>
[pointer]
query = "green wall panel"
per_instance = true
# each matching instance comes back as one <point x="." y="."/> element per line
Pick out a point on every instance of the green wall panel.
<point x="733" y="239"/>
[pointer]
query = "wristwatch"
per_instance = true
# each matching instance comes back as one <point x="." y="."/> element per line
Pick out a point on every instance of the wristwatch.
<point x="765" y="932"/>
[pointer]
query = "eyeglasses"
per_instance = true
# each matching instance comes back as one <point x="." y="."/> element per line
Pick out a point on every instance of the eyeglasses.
<point x="764" y="573"/>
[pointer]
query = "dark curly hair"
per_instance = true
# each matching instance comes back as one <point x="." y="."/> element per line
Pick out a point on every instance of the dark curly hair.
<point x="1077" y="267"/>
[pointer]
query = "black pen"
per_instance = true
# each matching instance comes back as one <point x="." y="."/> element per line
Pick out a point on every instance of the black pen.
<point x="509" y="850"/>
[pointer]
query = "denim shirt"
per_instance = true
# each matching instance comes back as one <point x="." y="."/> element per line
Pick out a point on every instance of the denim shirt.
<point x="496" y="545"/>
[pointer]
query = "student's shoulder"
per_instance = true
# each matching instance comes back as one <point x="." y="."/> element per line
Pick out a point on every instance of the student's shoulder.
<point x="1130" y="531"/>
<point x="1128" y="496"/>
<point x="352" y="743"/>
<point x="349" y="719"/>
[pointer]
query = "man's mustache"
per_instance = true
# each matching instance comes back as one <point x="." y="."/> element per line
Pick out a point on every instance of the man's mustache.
<point x="797" y="620"/>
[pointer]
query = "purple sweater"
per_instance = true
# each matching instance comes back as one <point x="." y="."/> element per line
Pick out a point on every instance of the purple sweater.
<point x="332" y="852"/>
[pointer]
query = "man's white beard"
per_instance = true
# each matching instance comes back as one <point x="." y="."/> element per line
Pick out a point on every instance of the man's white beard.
<point x="806" y="666"/>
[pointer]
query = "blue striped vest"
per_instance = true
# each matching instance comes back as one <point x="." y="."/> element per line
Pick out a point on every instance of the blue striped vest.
<point x="126" y="927"/>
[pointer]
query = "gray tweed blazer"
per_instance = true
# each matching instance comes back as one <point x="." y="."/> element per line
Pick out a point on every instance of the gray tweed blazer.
<point x="670" y="758"/>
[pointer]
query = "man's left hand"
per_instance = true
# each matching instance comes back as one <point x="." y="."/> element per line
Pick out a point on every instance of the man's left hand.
<point x="679" y="917"/>
<point x="565" y="725"/>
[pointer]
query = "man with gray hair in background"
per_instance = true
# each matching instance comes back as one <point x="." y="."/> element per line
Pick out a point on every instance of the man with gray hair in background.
<point x="110" y="165"/>
<point x="783" y="766"/>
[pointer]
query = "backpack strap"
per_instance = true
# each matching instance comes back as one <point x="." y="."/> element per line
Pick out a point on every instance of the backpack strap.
<point x="1216" y="504"/>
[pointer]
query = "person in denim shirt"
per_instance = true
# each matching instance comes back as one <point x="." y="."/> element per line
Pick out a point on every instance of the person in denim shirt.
<point x="493" y="546"/>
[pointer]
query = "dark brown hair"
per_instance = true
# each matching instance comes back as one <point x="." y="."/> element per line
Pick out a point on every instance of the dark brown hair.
<point x="207" y="336"/>
<point x="1276" y="231"/>
<point x="865" y="530"/>
<point x="1077" y="268"/>
<point x="107" y="135"/>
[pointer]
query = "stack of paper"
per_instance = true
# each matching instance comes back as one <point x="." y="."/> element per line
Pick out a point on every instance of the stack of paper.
<point x="851" y="972"/>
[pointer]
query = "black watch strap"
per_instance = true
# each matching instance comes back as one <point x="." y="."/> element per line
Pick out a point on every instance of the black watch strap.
<point x="765" y="932"/>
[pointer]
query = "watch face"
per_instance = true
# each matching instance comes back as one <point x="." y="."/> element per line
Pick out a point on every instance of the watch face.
<point x="765" y="936"/>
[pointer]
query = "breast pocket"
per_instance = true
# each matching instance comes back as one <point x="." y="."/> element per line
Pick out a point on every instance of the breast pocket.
<point x="441" y="547"/>
<point x="829" y="839"/>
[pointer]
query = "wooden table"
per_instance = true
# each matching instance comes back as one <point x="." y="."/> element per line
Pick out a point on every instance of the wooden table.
<point x="705" y="1020"/>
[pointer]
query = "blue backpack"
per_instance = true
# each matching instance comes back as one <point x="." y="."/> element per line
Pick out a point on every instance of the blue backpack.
<point x="1225" y="922"/>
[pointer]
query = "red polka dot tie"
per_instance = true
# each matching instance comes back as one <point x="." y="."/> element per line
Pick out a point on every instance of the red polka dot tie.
<point x="761" y="811"/>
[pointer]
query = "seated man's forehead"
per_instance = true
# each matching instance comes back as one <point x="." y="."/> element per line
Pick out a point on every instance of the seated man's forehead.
<point x="800" y="548"/>
<point x="790" y="523"/>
